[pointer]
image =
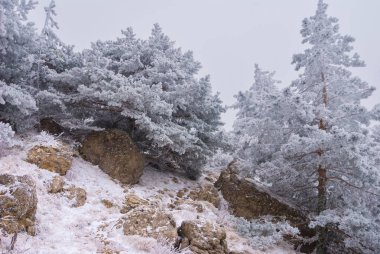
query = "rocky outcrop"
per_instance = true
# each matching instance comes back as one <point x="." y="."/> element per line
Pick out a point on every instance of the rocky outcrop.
<point x="249" y="200"/>
<point x="77" y="195"/>
<point x="203" y="237"/>
<point x="18" y="204"/>
<point x="206" y="193"/>
<point x="115" y="153"/>
<point x="57" y="160"/>
<point x="131" y="202"/>
<point x="56" y="184"/>
<point x="150" y="222"/>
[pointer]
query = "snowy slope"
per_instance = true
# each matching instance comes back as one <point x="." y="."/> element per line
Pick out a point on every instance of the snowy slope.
<point x="93" y="228"/>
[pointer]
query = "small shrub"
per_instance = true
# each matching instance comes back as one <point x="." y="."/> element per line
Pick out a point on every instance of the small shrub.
<point x="220" y="159"/>
<point x="7" y="137"/>
<point x="263" y="233"/>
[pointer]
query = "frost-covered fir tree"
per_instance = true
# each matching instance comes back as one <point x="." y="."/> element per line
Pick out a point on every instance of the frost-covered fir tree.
<point x="333" y="146"/>
<point x="29" y="63"/>
<point x="258" y="134"/>
<point x="17" y="40"/>
<point x="51" y="57"/>
<point x="326" y="160"/>
<point x="148" y="88"/>
<point x="329" y="158"/>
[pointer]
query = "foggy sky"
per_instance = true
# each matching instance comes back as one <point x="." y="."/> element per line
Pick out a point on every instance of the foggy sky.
<point x="227" y="37"/>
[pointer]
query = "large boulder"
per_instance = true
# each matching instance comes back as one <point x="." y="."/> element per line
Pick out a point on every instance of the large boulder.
<point x="115" y="153"/>
<point x="18" y="204"/>
<point x="207" y="193"/>
<point x="203" y="237"/>
<point x="57" y="160"/>
<point x="249" y="200"/>
<point x="150" y="221"/>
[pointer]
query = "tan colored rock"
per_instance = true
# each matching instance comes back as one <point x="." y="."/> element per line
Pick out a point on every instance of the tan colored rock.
<point x="181" y="193"/>
<point x="131" y="202"/>
<point x="249" y="200"/>
<point x="150" y="222"/>
<point x="212" y="177"/>
<point x="115" y="153"/>
<point x="78" y="195"/>
<point x="56" y="184"/>
<point x="107" y="203"/>
<point x="18" y="204"/>
<point x="57" y="160"/>
<point x="206" y="193"/>
<point x="197" y="205"/>
<point x="203" y="237"/>
<point x="199" y="208"/>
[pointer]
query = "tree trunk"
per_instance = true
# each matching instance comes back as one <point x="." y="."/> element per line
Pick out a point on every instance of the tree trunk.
<point x="322" y="182"/>
<point x="322" y="199"/>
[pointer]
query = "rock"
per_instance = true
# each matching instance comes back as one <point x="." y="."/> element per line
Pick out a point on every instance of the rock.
<point x="115" y="153"/>
<point x="249" y="200"/>
<point x="211" y="177"/>
<point x="50" y="126"/>
<point x="107" y="203"/>
<point x="203" y="237"/>
<point x="18" y="204"/>
<point x="56" y="184"/>
<point x="206" y="193"/>
<point x="131" y="202"/>
<point x="198" y="207"/>
<point x="150" y="222"/>
<point x="57" y="160"/>
<point x="181" y="193"/>
<point x="78" y="195"/>
<point x="179" y="205"/>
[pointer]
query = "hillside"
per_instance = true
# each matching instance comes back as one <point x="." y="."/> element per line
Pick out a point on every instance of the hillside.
<point x="94" y="228"/>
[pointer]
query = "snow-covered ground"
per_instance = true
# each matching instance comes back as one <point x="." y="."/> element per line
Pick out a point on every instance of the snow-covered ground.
<point x="94" y="228"/>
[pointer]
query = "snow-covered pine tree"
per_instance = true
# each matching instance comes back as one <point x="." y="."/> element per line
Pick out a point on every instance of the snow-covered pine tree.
<point x="17" y="40"/>
<point x="51" y="57"/>
<point x="148" y="88"/>
<point x="325" y="160"/>
<point x="329" y="158"/>
<point x="257" y="131"/>
<point x="334" y="95"/>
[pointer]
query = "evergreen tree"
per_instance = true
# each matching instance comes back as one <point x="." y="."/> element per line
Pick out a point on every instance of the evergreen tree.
<point x="331" y="155"/>
<point x="335" y="135"/>
<point x="17" y="40"/>
<point x="148" y="88"/>
<point x="51" y="57"/>
<point x="258" y="134"/>
<point x="325" y="162"/>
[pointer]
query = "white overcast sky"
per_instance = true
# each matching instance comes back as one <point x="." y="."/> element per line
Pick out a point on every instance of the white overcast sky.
<point x="227" y="36"/>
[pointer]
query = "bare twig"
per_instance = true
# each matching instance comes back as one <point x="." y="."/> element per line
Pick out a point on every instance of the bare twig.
<point x="13" y="241"/>
<point x="352" y="185"/>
